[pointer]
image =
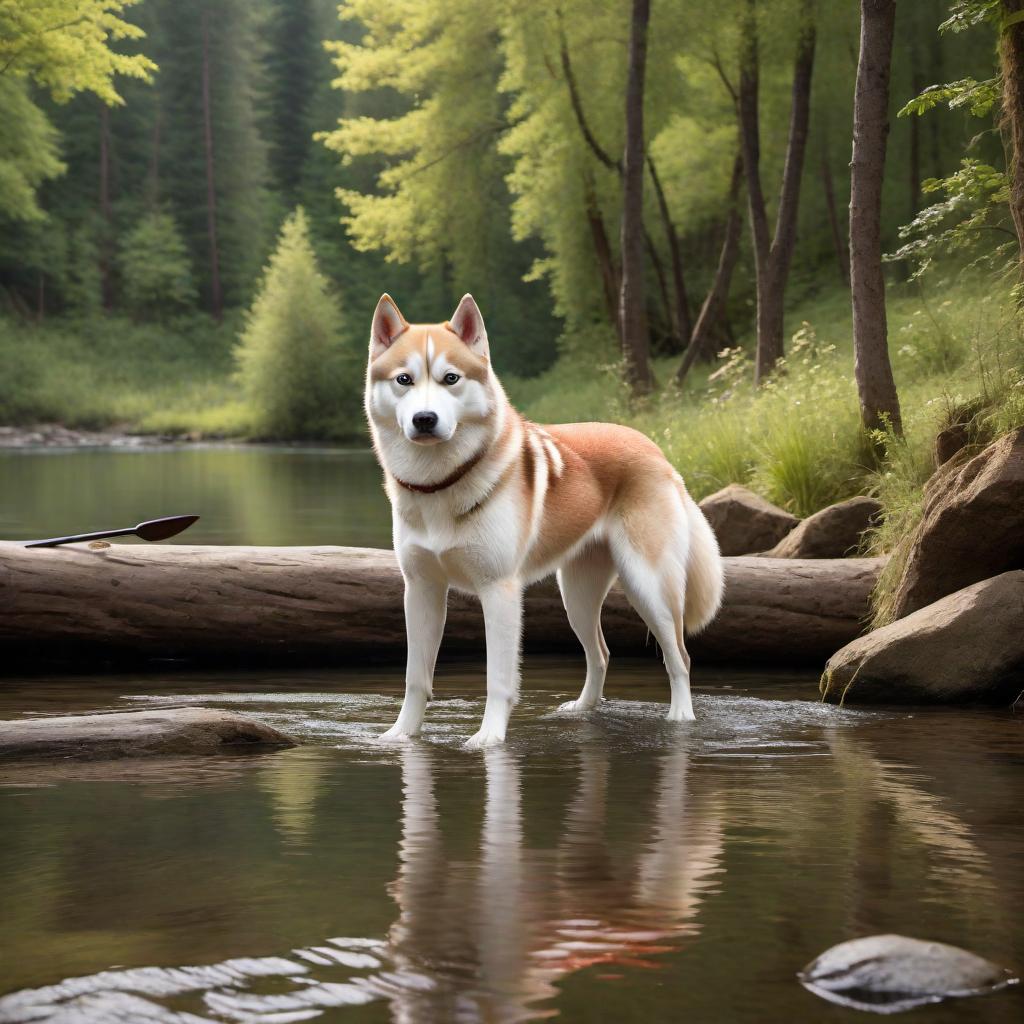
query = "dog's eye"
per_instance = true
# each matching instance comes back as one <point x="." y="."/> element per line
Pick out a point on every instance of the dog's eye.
<point x="451" y="378"/>
<point x="404" y="379"/>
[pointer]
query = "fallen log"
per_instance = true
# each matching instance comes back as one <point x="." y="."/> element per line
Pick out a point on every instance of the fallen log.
<point x="252" y="605"/>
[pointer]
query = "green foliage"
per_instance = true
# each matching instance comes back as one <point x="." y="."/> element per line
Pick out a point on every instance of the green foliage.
<point x="977" y="97"/>
<point x="974" y="206"/>
<point x="80" y="279"/>
<point x="64" y="45"/>
<point x="156" y="274"/>
<point x="964" y="14"/>
<point x="99" y="372"/>
<point x="295" y="370"/>
<point x="29" y="153"/>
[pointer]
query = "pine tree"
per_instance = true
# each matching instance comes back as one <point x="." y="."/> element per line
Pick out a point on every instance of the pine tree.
<point x="297" y="373"/>
<point x="156" y="274"/>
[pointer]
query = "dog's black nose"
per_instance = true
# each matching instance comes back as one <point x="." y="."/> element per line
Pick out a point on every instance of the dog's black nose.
<point x="425" y="422"/>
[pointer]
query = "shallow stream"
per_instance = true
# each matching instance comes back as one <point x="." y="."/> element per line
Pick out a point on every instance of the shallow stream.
<point x="608" y="869"/>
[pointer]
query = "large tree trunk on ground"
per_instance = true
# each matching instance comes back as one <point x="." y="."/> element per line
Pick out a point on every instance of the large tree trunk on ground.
<point x="1011" y="61"/>
<point x="632" y="312"/>
<point x="712" y="312"/>
<point x="879" y="403"/>
<point x="773" y="255"/>
<point x="74" y="606"/>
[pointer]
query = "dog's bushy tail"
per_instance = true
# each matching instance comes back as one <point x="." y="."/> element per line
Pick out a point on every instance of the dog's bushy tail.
<point x="705" y="573"/>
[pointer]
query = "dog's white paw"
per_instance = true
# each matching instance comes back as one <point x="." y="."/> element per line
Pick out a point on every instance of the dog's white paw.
<point x="575" y="708"/>
<point x="681" y="715"/>
<point x="395" y="735"/>
<point x="484" y="738"/>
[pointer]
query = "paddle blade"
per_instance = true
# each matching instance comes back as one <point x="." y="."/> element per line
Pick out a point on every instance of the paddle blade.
<point x="161" y="529"/>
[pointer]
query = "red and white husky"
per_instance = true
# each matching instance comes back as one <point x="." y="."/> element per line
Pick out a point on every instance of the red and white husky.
<point x="487" y="502"/>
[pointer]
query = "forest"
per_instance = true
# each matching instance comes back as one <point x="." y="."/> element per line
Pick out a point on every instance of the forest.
<point x="202" y="200"/>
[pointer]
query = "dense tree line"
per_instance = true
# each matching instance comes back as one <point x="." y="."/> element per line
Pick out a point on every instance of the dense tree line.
<point x="656" y="174"/>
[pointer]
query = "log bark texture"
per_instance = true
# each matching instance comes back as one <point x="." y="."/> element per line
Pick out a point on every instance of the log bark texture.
<point x="253" y="605"/>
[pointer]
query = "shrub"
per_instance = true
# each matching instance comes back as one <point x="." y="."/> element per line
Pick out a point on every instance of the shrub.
<point x="292" y="357"/>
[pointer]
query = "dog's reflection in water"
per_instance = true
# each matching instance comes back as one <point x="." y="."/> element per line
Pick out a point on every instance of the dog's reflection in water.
<point x="496" y="934"/>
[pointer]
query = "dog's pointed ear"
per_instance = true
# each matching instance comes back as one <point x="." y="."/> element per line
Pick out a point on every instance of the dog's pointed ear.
<point x="388" y="324"/>
<point x="468" y="324"/>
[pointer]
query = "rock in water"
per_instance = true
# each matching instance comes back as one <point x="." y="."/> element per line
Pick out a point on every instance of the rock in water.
<point x="967" y="648"/>
<point x="891" y="973"/>
<point x="136" y="734"/>
<point x="972" y="528"/>
<point x="834" y="532"/>
<point x="744" y="522"/>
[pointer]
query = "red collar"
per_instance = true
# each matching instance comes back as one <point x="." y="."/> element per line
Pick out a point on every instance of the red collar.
<point x="448" y="481"/>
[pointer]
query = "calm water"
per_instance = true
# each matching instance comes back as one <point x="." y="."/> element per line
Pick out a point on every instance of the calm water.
<point x="246" y="494"/>
<point x="612" y="869"/>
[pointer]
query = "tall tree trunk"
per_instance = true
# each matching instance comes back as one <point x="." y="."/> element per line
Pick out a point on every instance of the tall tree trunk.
<point x="154" y="162"/>
<point x="672" y="312"/>
<point x="106" y="227"/>
<point x="1011" y="60"/>
<point x="838" y="239"/>
<point x="216" y="302"/>
<point x="603" y="253"/>
<point x="682" y="316"/>
<point x="632" y="313"/>
<point x="773" y="255"/>
<point x="879" y="403"/>
<point x="712" y="312"/>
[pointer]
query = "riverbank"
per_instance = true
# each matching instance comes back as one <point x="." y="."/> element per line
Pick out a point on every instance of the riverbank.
<point x="56" y="435"/>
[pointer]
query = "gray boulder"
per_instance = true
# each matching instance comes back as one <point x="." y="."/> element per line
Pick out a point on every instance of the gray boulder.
<point x="834" y="532"/>
<point x="136" y="734"/>
<point x="966" y="648"/>
<point x="744" y="522"/>
<point x="889" y="973"/>
<point x="972" y="528"/>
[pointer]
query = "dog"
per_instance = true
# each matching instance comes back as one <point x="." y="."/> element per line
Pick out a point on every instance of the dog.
<point x="487" y="502"/>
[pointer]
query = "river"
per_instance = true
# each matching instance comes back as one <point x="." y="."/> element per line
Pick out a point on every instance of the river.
<point x="607" y="869"/>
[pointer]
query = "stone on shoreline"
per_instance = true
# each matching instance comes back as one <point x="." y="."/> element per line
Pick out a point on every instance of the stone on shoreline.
<point x="967" y="648"/>
<point x="136" y="734"/>
<point x="972" y="527"/>
<point x="834" y="532"/>
<point x="744" y="522"/>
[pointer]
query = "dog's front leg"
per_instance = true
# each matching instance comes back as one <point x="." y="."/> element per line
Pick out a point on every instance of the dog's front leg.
<point x="503" y="616"/>
<point x="426" y="602"/>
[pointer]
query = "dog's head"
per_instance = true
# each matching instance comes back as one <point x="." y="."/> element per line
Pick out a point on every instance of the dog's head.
<point x="425" y="381"/>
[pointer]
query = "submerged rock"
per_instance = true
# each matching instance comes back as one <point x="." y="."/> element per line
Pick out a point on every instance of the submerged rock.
<point x="136" y="734"/>
<point x="744" y="522"/>
<point x="834" y="532"/>
<point x="890" y="973"/>
<point x="966" y="648"/>
<point x="972" y="528"/>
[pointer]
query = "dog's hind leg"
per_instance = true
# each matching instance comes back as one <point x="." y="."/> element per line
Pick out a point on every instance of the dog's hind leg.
<point x="584" y="582"/>
<point x="650" y="553"/>
<point x="426" y="601"/>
